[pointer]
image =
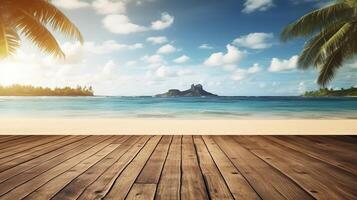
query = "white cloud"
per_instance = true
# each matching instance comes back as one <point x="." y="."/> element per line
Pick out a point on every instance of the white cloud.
<point x="70" y="4"/>
<point x="167" y="72"/>
<point x="228" y="60"/>
<point x="166" y="49"/>
<point x="278" y="65"/>
<point x="254" y="69"/>
<point x="163" y="72"/>
<point x="38" y="69"/>
<point x="109" y="46"/>
<point x="157" y="40"/>
<point x="165" y="22"/>
<point x="182" y="59"/>
<point x="121" y="24"/>
<point x="205" y="46"/>
<point x="109" y="7"/>
<point x="257" y="5"/>
<point x="255" y="40"/>
<point x="109" y="67"/>
<point x="153" y="59"/>
<point x="75" y="53"/>
<point x="241" y="74"/>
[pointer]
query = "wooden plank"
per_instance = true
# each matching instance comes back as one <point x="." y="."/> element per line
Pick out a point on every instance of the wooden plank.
<point x="99" y="188"/>
<point x="142" y="192"/>
<point x="23" y="190"/>
<point x="80" y="183"/>
<point x="321" y="180"/>
<point x="17" y="142"/>
<point x="235" y="181"/>
<point x="56" y="184"/>
<point x="333" y="156"/>
<point x="48" y="190"/>
<point x="13" y="168"/>
<point x="267" y="181"/>
<point x="11" y="138"/>
<point x="37" y="157"/>
<point x="170" y="180"/>
<point x="122" y="185"/>
<point x="25" y="155"/>
<point x="31" y="172"/>
<point x="352" y="139"/>
<point x="193" y="185"/>
<point x="215" y="183"/>
<point x="152" y="170"/>
<point x="29" y="145"/>
<point x="331" y="143"/>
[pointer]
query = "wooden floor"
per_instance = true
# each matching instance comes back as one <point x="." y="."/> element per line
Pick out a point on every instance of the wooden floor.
<point x="178" y="167"/>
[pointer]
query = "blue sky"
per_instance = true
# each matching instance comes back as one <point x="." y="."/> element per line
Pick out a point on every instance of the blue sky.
<point x="144" y="47"/>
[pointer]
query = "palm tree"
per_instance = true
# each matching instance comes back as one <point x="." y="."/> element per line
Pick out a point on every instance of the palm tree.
<point x="30" y="19"/>
<point x="333" y="38"/>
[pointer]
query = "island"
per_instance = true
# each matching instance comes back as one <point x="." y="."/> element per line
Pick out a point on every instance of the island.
<point x="28" y="90"/>
<point x="324" y="92"/>
<point x="194" y="91"/>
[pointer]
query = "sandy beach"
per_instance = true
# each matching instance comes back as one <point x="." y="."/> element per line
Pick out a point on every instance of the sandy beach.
<point x="102" y="126"/>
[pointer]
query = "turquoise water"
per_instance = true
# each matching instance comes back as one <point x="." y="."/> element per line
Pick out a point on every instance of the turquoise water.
<point x="186" y="107"/>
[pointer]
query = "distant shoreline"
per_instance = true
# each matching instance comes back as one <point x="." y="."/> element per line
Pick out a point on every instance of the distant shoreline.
<point x="29" y="90"/>
<point x="324" y="92"/>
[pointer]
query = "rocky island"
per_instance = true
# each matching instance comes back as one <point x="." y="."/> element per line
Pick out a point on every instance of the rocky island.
<point x="194" y="91"/>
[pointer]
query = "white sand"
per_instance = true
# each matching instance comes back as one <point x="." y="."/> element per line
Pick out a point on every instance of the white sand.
<point x="169" y="126"/>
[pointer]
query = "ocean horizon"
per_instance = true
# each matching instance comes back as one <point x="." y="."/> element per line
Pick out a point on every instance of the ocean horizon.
<point x="221" y="107"/>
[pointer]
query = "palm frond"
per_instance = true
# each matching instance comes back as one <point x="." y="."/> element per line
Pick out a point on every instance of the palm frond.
<point x="334" y="59"/>
<point x="317" y="20"/>
<point x="312" y="47"/>
<point x="347" y="44"/>
<point x="9" y="39"/>
<point x="338" y="38"/>
<point x="34" y="30"/>
<point x="48" y="14"/>
<point x="328" y="69"/>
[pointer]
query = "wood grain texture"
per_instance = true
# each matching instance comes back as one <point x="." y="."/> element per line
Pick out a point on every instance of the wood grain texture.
<point x="170" y="182"/>
<point x="99" y="188"/>
<point x="29" y="153"/>
<point x="74" y="189"/>
<point x="142" y="192"/>
<point x="177" y="167"/>
<point x="122" y="185"/>
<point x="216" y="186"/>
<point x="235" y="181"/>
<point x="323" y="151"/>
<point x="308" y="172"/>
<point x="41" y="178"/>
<point x="193" y="185"/>
<point x="259" y="174"/>
<point x="48" y="190"/>
<point x="152" y="170"/>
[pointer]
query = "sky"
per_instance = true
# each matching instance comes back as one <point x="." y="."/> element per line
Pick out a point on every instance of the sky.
<point x="145" y="47"/>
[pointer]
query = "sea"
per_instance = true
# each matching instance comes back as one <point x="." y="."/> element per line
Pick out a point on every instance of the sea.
<point x="230" y="107"/>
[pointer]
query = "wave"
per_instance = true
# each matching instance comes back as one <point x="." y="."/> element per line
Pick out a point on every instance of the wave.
<point x="225" y="113"/>
<point x="155" y="116"/>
